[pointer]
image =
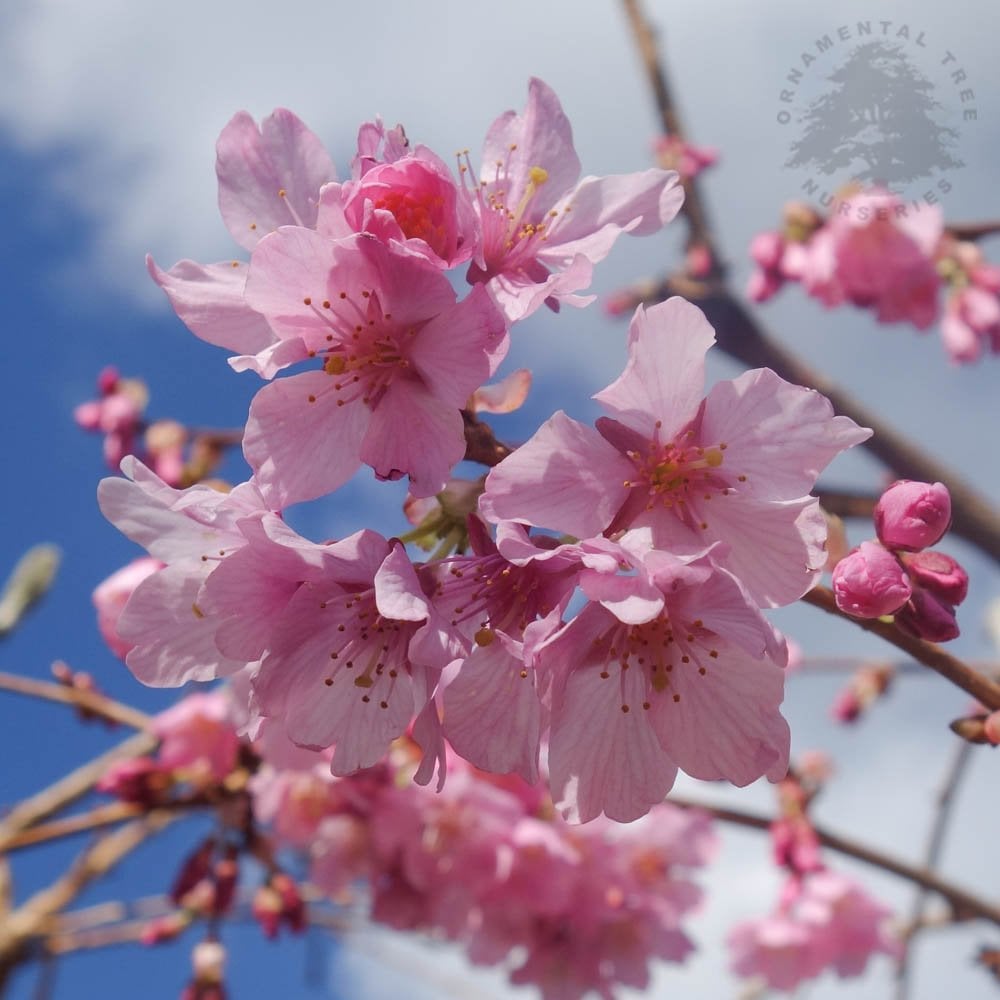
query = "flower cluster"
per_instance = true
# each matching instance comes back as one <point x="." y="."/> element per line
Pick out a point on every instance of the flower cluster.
<point x="899" y="574"/>
<point x="487" y="864"/>
<point x="877" y="252"/>
<point x="823" y="919"/>
<point x="684" y="516"/>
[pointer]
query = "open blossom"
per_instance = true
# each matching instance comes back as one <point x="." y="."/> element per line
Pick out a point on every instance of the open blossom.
<point x="825" y="921"/>
<point x="542" y="228"/>
<point x="189" y="531"/>
<point x="111" y="596"/>
<point x="397" y="359"/>
<point x="875" y="252"/>
<point x="670" y="667"/>
<point x="735" y="467"/>
<point x="402" y="194"/>
<point x="197" y="735"/>
<point x="269" y="176"/>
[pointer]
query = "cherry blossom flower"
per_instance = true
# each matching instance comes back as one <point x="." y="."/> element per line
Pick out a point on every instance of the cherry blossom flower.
<point x="189" y="531"/>
<point x="269" y="176"/>
<point x="399" y="358"/>
<point x="735" y="467"/>
<point x="542" y="229"/>
<point x="672" y="666"/>
<point x="111" y="596"/>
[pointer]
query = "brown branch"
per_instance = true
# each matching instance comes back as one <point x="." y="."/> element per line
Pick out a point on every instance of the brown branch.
<point x="956" y="770"/>
<point x="965" y="904"/>
<point x="91" y="702"/>
<point x="741" y="336"/>
<point x="950" y="667"/>
<point x="699" y="229"/>
<point x="105" y="815"/>
<point x="27" y="922"/>
<point x="847" y="503"/>
<point x="69" y="788"/>
<point x="973" y="231"/>
<point x="481" y="444"/>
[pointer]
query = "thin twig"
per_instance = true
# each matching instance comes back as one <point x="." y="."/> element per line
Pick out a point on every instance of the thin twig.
<point x="965" y="904"/>
<point x="91" y="702"/>
<point x="956" y="770"/>
<point x="28" y="920"/>
<point x="699" y="230"/>
<point x="69" y="788"/>
<point x="973" y="231"/>
<point x="743" y="337"/>
<point x="987" y="692"/>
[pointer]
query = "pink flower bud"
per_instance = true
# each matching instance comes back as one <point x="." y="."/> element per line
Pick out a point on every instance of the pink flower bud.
<point x="928" y="617"/>
<point x="991" y="727"/>
<point x="912" y="516"/>
<point x="870" y="582"/>
<point x="766" y="249"/>
<point x="938" y="573"/>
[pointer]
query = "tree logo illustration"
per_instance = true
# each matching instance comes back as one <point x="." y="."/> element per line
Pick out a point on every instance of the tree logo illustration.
<point x="877" y="122"/>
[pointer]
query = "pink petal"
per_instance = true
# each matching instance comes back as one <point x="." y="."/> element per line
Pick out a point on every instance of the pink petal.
<point x="726" y="722"/>
<point x="300" y="450"/>
<point x="780" y="436"/>
<point x="601" y="758"/>
<point x="413" y="433"/>
<point x="541" y="137"/>
<point x="208" y="298"/>
<point x="664" y="378"/>
<point x="567" y="477"/>
<point x="253" y="165"/>
<point x="492" y="715"/>
<point x="605" y="207"/>
<point x="504" y="396"/>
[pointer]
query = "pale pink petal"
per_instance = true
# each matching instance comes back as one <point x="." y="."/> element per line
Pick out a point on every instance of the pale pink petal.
<point x="541" y="137"/>
<point x="299" y="442"/>
<point x="601" y="757"/>
<point x="604" y="207"/>
<point x="519" y="294"/>
<point x="661" y="387"/>
<point x="174" y="641"/>
<point x="208" y="298"/>
<point x="415" y="434"/>
<point x="492" y="715"/>
<point x="397" y="589"/>
<point x="567" y="477"/>
<point x="269" y="176"/>
<point x="780" y="436"/>
<point x="504" y="396"/>
<point x="451" y="352"/>
<point x="725" y="722"/>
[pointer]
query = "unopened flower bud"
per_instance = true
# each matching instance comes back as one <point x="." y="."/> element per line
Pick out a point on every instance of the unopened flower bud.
<point x="926" y="616"/>
<point x="267" y="909"/>
<point x="195" y="867"/>
<point x="912" y="516"/>
<point x="938" y="573"/>
<point x="991" y="728"/>
<point x="870" y="582"/>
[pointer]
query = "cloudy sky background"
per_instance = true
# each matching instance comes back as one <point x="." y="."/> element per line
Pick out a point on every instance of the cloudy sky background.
<point x="108" y="117"/>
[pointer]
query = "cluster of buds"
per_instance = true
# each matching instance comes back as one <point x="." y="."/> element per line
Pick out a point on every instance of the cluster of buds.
<point x="823" y="920"/>
<point x="867" y="684"/>
<point x="876" y="252"/>
<point x="178" y="456"/>
<point x="899" y="574"/>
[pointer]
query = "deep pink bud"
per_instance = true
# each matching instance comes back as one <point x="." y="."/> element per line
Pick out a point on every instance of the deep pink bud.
<point x="938" y="573"/>
<point x="991" y="728"/>
<point x="194" y="868"/>
<point x="870" y="582"/>
<point x="912" y="516"/>
<point x="766" y="250"/>
<point x="928" y="617"/>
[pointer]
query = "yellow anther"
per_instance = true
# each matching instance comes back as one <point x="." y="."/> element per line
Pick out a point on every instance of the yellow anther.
<point x="714" y="457"/>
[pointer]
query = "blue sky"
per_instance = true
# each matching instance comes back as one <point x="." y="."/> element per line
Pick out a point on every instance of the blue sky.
<point x="108" y="116"/>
